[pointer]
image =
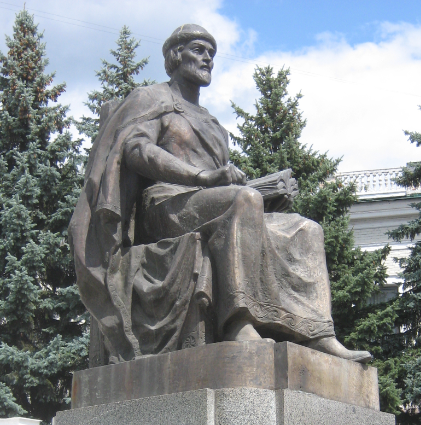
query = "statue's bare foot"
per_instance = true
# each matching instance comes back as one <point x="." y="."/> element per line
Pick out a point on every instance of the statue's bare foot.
<point x="331" y="345"/>
<point x="241" y="330"/>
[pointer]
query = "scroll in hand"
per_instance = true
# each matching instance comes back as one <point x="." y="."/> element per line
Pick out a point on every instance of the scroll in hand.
<point x="278" y="190"/>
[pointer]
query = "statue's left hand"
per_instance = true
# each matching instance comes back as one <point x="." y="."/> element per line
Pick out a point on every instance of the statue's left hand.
<point x="238" y="177"/>
<point x="224" y="176"/>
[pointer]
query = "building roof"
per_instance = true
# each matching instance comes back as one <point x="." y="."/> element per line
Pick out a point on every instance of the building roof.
<point x="378" y="184"/>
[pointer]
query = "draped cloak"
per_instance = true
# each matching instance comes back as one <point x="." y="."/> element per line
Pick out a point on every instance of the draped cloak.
<point x="140" y="293"/>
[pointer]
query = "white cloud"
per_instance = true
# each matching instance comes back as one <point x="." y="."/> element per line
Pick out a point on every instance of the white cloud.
<point x="357" y="99"/>
<point x="354" y="95"/>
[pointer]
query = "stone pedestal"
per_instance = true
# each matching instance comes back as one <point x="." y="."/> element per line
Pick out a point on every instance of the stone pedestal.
<point x="236" y="406"/>
<point x="228" y="383"/>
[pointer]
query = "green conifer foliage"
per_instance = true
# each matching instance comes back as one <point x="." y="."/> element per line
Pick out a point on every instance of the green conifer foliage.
<point x="269" y="142"/>
<point x="407" y="343"/>
<point x="117" y="80"/>
<point x="42" y="321"/>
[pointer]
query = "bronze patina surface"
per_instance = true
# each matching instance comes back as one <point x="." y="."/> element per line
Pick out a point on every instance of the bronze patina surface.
<point x="173" y="249"/>
<point x="252" y="364"/>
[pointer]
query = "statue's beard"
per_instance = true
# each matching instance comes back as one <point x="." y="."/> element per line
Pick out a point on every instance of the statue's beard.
<point x="199" y="76"/>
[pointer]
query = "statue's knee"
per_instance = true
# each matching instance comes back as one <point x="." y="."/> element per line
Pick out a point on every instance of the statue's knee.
<point x="249" y="198"/>
<point x="315" y="228"/>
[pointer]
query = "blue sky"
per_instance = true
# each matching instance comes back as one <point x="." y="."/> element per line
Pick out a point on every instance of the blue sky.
<point x="290" y="25"/>
<point x="357" y="63"/>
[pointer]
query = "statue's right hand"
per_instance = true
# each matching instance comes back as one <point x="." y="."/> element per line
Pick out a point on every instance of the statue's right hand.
<point x="220" y="177"/>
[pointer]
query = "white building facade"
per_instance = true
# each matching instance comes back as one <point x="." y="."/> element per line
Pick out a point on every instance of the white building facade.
<point x="382" y="206"/>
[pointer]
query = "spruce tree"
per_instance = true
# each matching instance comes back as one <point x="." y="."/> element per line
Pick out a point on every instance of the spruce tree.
<point x="407" y="342"/>
<point x="268" y="142"/>
<point x="43" y="336"/>
<point x="117" y="80"/>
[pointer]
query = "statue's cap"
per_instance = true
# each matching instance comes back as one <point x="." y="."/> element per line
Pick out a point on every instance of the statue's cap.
<point x="186" y="33"/>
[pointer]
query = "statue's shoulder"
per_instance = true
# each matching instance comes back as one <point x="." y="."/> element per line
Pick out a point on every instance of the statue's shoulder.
<point x="151" y="95"/>
<point x="148" y="102"/>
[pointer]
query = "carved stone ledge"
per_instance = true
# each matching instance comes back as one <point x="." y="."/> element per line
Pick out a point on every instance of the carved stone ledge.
<point x="261" y="365"/>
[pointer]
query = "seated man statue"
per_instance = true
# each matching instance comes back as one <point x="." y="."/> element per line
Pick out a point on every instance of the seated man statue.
<point x="164" y="216"/>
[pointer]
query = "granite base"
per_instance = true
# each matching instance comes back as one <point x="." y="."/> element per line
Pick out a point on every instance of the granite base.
<point x="229" y="406"/>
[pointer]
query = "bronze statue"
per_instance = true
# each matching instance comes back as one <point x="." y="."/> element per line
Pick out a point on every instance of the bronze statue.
<point x="165" y="222"/>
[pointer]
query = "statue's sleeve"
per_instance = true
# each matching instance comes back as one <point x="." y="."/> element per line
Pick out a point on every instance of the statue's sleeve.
<point x="143" y="156"/>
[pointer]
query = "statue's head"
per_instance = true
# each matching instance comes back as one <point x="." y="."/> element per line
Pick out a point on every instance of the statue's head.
<point x="189" y="51"/>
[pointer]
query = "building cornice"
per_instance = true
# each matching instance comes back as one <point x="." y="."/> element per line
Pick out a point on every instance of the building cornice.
<point x="378" y="184"/>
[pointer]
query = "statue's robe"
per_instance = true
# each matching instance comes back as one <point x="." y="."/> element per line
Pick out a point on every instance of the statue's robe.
<point x="142" y="246"/>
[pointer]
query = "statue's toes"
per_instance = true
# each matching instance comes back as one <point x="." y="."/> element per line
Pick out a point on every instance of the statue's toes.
<point x="360" y="356"/>
<point x="330" y="345"/>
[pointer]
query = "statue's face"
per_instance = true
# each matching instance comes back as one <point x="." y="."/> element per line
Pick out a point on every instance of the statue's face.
<point x="197" y="62"/>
